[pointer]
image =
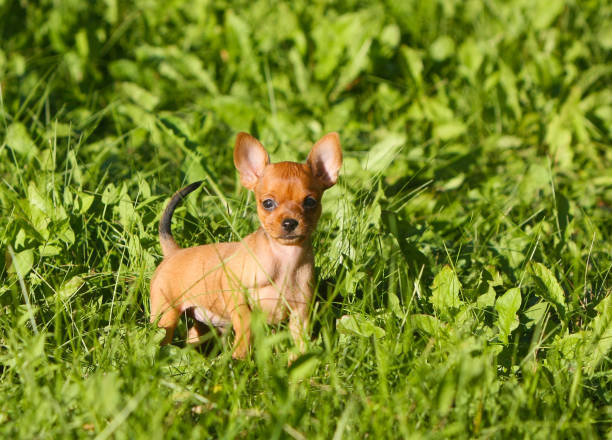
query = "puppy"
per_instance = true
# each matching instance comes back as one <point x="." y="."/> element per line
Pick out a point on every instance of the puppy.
<point x="271" y="269"/>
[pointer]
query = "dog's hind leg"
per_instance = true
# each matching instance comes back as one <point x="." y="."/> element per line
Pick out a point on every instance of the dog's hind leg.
<point x="195" y="332"/>
<point x="166" y="317"/>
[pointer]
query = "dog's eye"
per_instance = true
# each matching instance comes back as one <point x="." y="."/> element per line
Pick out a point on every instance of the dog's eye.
<point x="310" y="202"/>
<point x="268" y="204"/>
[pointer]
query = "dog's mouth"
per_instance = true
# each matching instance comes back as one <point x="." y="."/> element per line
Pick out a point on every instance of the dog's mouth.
<point x="291" y="238"/>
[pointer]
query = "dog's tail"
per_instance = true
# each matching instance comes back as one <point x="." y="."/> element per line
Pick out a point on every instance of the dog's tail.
<point x="166" y="240"/>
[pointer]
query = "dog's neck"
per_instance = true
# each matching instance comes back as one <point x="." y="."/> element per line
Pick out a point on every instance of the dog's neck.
<point x="290" y="254"/>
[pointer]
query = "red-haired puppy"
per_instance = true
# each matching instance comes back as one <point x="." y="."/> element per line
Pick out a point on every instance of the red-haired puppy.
<point x="271" y="269"/>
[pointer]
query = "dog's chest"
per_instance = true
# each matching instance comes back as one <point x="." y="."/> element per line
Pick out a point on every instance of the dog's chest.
<point x="282" y="283"/>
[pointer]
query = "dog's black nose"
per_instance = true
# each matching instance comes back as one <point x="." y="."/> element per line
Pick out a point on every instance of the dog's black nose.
<point x="289" y="224"/>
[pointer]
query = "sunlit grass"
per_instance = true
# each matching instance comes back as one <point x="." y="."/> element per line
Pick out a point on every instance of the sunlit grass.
<point x="463" y="260"/>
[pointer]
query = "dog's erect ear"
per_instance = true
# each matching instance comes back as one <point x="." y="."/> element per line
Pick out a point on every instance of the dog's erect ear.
<point x="325" y="159"/>
<point x="250" y="159"/>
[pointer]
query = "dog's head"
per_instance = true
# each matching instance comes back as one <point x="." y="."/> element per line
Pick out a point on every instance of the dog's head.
<point x="288" y="194"/>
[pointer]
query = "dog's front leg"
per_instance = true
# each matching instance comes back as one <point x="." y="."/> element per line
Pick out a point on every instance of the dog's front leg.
<point x="298" y="326"/>
<point x="241" y="321"/>
<point x="299" y="313"/>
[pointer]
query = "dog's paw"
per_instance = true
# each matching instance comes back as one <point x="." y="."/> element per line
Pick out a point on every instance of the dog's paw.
<point x="240" y="352"/>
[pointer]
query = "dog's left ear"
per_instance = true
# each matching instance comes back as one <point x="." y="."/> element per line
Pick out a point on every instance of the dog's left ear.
<point x="325" y="159"/>
<point x="250" y="159"/>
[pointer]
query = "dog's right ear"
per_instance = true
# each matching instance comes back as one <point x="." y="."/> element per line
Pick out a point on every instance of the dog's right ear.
<point x="250" y="159"/>
<point x="325" y="159"/>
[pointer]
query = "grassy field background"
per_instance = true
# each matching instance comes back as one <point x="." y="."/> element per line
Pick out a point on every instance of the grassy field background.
<point x="464" y="258"/>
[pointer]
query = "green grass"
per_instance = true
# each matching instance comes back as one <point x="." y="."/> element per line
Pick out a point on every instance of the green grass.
<point x="464" y="259"/>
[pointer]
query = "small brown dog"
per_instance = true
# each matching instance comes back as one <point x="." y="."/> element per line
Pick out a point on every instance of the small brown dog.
<point x="271" y="269"/>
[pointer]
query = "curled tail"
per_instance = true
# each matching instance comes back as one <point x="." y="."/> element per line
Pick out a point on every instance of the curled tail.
<point x="166" y="240"/>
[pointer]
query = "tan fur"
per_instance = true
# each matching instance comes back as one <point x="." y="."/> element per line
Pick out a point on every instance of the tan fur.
<point x="271" y="269"/>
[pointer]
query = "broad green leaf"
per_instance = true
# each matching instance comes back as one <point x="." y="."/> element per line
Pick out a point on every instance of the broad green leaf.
<point x="414" y="60"/>
<point x="75" y="65"/>
<point x="37" y="200"/>
<point x="328" y="51"/>
<point x="102" y="393"/>
<point x="144" y="190"/>
<point x="548" y="287"/>
<point x="384" y="152"/>
<point x="512" y="246"/>
<point x="390" y="36"/>
<point x="507" y="306"/>
<point x="66" y="233"/>
<point x="235" y="112"/>
<point x="303" y="367"/>
<point x="605" y="114"/>
<point x="350" y="71"/>
<point x="68" y="198"/>
<point x="428" y="324"/>
<point x="496" y="278"/>
<point x="140" y="96"/>
<point x="569" y="345"/>
<point x="587" y="79"/>
<point x="471" y="57"/>
<point x="395" y="306"/>
<point x="49" y="250"/>
<point x="17" y="63"/>
<point x="446" y="392"/>
<point x="535" y="180"/>
<point x="127" y="212"/>
<point x="299" y="70"/>
<point x="70" y="287"/>
<point x="124" y="69"/>
<point x="23" y="262"/>
<point x="601" y="334"/>
<point x="505" y="142"/>
<point x="536" y="313"/>
<point x="442" y="48"/>
<point x="111" y="194"/>
<point x="85" y="201"/>
<point x="241" y="31"/>
<point x="193" y="65"/>
<point x="486" y="299"/>
<point x="358" y="325"/>
<point x="453" y="183"/>
<point x="449" y="130"/>
<point x="507" y="80"/>
<point x="81" y="43"/>
<point x="559" y="138"/>
<point x="58" y="130"/>
<point x="20" y="239"/>
<point x="605" y="179"/>
<point x="604" y="37"/>
<point x="111" y="11"/>
<point x="18" y="139"/>
<point x="445" y="291"/>
<point x="544" y="12"/>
